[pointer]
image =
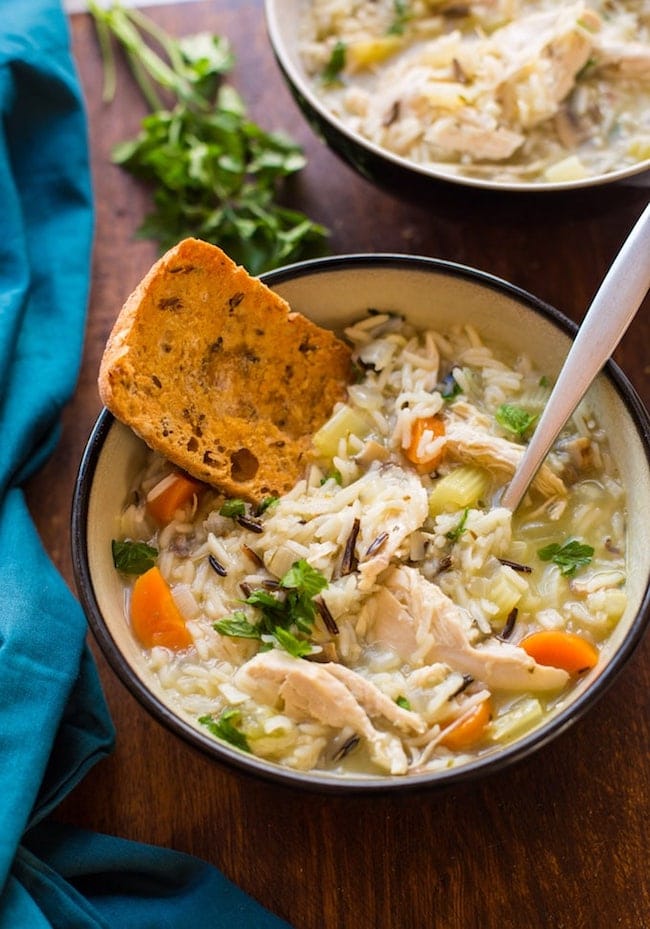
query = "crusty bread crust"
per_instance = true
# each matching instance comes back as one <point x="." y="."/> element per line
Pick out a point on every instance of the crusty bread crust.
<point x="214" y="371"/>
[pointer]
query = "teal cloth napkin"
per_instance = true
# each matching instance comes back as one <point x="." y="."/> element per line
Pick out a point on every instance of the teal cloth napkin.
<point x="54" y="724"/>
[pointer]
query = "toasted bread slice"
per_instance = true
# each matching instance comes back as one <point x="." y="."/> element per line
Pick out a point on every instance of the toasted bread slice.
<point x="214" y="371"/>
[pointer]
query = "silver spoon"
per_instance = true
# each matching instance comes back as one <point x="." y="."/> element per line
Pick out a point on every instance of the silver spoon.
<point x="611" y="312"/>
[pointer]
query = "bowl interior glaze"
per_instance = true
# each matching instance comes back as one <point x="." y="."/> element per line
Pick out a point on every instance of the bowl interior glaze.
<point x="334" y="292"/>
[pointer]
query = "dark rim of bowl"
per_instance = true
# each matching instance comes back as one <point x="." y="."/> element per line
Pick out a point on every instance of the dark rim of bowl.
<point x="350" y="144"/>
<point x="321" y="781"/>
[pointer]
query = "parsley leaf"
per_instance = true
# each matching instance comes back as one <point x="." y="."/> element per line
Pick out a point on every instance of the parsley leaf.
<point x="333" y="475"/>
<point x="331" y="71"/>
<point x="215" y="174"/>
<point x="454" y="534"/>
<point x="266" y="504"/>
<point x="233" y="507"/>
<point x="133" y="557"/>
<point x="403" y="702"/>
<point x="402" y="15"/>
<point x="225" y="728"/>
<point x="291" y="643"/>
<point x="284" y="614"/>
<point x="303" y="578"/>
<point x="515" y="419"/>
<point x="237" y="626"/>
<point x="568" y="557"/>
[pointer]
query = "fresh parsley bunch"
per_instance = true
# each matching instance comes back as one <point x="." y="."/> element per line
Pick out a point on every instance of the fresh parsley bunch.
<point x="216" y="174"/>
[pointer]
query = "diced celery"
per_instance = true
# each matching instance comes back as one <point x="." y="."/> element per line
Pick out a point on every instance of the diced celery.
<point x="505" y="591"/>
<point x="464" y="486"/>
<point x="344" y="423"/>
<point x="521" y="717"/>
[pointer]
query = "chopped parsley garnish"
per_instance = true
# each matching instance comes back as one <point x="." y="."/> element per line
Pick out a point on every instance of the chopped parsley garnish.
<point x="334" y="475"/>
<point x="454" y="534"/>
<point x="133" y="557"/>
<point x="335" y="65"/>
<point x="402" y="14"/>
<point x="515" y="419"/>
<point x="299" y="648"/>
<point x="266" y="504"/>
<point x="403" y="702"/>
<point x="286" y="614"/>
<point x="238" y="626"/>
<point x="233" y="508"/>
<point x="568" y="557"/>
<point x="224" y="728"/>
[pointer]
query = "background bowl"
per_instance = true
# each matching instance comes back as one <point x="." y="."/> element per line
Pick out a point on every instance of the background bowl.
<point x="377" y="164"/>
<point x="333" y="292"/>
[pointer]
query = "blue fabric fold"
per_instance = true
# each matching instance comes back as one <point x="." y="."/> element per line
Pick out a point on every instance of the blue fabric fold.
<point x="54" y="723"/>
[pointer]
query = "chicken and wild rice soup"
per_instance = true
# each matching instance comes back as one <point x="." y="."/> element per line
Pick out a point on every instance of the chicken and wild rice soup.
<point x="508" y="91"/>
<point x="387" y="615"/>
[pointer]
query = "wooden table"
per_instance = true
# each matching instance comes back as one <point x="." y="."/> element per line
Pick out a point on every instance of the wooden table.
<point x="560" y="841"/>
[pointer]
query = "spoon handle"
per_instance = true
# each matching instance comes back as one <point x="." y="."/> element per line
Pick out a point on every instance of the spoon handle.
<point x="612" y="310"/>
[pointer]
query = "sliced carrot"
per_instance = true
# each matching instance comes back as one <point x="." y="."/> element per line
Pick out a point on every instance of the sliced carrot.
<point x="432" y="424"/>
<point x="561" y="649"/>
<point x="470" y="728"/>
<point x="177" y="493"/>
<point x="155" y="618"/>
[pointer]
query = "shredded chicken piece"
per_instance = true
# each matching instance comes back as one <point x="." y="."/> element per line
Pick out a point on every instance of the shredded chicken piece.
<point x="478" y="97"/>
<point x="498" y="454"/>
<point x="560" y="45"/>
<point x="480" y="135"/>
<point x="415" y="618"/>
<point x="331" y="694"/>
<point x="631" y="58"/>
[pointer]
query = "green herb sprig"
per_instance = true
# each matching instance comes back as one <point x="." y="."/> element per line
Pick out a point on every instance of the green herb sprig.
<point x="515" y="419"/>
<point x="454" y="534"/>
<point x="133" y="558"/>
<point x="215" y="174"/>
<point x="224" y="728"/>
<point x="287" y="616"/>
<point x="402" y="15"/>
<point x="568" y="556"/>
<point x="331" y="73"/>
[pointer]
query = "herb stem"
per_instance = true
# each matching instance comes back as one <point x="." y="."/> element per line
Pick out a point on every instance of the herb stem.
<point x="108" y="60"/>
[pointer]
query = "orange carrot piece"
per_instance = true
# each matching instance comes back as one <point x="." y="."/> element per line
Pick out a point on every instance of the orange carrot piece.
<point x="174" y="497"/>
<point x="561" y="649"/>
<point x="155" y="618"/>
<point x="470" y="729"/>
<point x="433" y="424"/>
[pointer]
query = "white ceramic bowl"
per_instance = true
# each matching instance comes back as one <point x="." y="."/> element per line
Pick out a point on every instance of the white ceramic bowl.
<point x="334" y="291"/>
<point x="391" y="171"/>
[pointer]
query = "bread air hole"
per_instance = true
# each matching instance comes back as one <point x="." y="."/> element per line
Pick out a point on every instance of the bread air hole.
<point x="243" y="465"/>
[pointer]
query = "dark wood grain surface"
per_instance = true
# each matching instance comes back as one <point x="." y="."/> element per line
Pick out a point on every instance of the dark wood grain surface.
<point x="561" y="839"/>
